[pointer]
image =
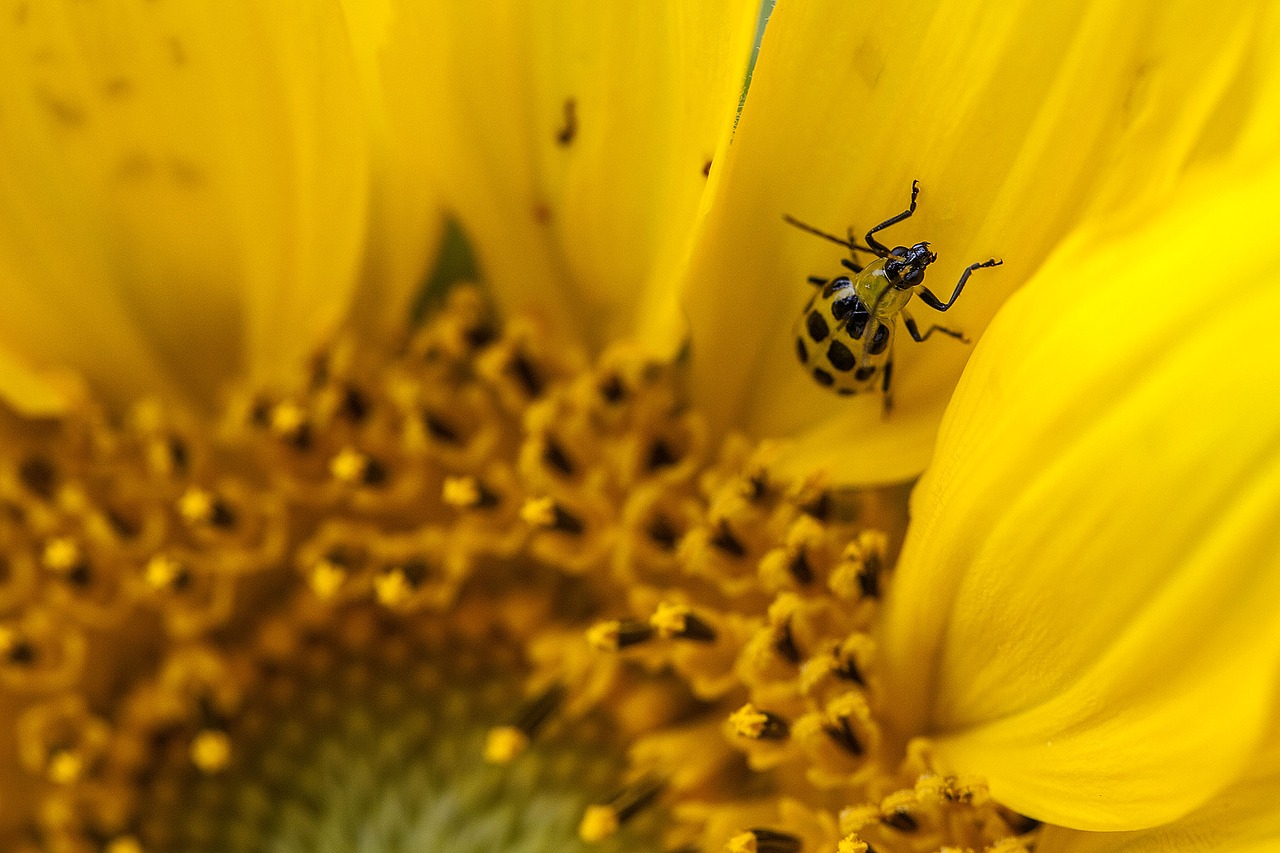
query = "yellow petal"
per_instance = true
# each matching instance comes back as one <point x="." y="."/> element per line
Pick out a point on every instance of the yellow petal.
<point x="1020" y="119"/>
<point x="1242" y="819"/>
<point x="404" y="215"/>
<point x="570" y="139"/>
<point x="182" y="190"/>
<point x="1084" y="610"/>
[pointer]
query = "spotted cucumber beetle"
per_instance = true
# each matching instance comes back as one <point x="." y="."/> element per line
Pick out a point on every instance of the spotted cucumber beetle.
<point x="844" y="337"/>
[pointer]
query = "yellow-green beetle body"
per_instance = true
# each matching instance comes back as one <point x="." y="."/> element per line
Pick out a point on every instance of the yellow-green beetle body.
<point x="844" y="337"/>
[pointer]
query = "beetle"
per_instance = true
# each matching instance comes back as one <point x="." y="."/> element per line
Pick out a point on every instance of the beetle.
<point x="844" y="336"/>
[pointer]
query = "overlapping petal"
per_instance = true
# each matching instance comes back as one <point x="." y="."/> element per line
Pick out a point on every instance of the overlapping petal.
<point x="1019" y="119"/>
<point x="1242" y="819"/>
<point x="1085" y="606"/>
<point x="182" y="192"/>
<point x="572" y="141"/>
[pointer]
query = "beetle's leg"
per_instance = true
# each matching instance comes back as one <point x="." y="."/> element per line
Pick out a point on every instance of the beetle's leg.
<point x="817" y="280"/>
<point x="886" y="387"/>
<point x="850" y="264"/>
<point x="878" y="247"/>
<point x="928" y="297"/>
<point x="916" y="335"/>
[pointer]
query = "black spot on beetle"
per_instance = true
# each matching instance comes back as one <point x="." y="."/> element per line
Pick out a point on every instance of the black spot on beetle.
<point x="823" y="378"/>
<point x="880" y="341"/>
<point x="840" y="357"/>
<point x="864" y="373"/>
<point x="844" y="305"/>
<point x="846" y="392"/>
<point x="817" y="325"/>
<point x="858" y="321"/>
<point x="802" y="351"/>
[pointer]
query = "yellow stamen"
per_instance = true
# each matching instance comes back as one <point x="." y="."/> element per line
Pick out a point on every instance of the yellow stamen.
<point x="539" y="512"/>
<point x="65" y="767"/>
<point x="851" y="844"/>
<point x="211" y="750"/>
<point x="162" y="571"/>
<point x="462" y="492"/>
<point x="349" y="466"/>
<point x="326" y="578"/>
<point x="196" y="505"/>
<point x="598" y="823"/>
<point x="392" y="588"/>
<point x="287" y="418"/>
<point x="61" y="555"/>
<point x="743" y="842"/>
<point x="504" y="744"/>
<point x="670" y="619"/>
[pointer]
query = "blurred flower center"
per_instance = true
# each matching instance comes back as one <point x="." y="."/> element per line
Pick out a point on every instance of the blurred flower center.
<point x="479" y="593"/>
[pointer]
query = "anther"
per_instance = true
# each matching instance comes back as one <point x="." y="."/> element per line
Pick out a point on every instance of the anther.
<point x="661" y="456"/>
<point x="545" y="512"/>
<point x="286" y="416"/>
<point x="662" y="533"/>
<point x="895" y="811"/>
<point x="785" y="645"/>
<point x="326" y="578"/>
<point x="504" y="743"/>
<point x="678" y="621"/>
<point x="750" y="722"/>
<point x="603" y="820"/>
<point x="467" y="493"/>
<point x="555" y="457"/>
<point x="614" y="634"/>
<point x="440" y="429"/>
<point x="39" y="475"/>
<point x="763" y="841"/>
<point x="853" y="844"/>
<point x="843" y="735"/>
<point x="200" y="506"/>
<point x="396" y="584"/>
<point x="62" y="556"/>
<point x="800" y="569"/>
<point x="755" y="486"/>
<point x="727" y="542"/>
<point x="211" y="750"/>
<point x="354" y="468"/>
<point x="165" y="572"/>
<point x="612" y="389"/>
<point x="16" y="650"/>
<point x="355" y="405"/>
<point x="523" y="371"/>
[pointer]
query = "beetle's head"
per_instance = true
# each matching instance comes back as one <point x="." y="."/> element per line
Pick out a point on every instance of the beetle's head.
<point x="905" y="267"/>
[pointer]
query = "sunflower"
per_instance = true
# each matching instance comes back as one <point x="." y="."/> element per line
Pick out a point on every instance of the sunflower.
<point x="561" y="550"/>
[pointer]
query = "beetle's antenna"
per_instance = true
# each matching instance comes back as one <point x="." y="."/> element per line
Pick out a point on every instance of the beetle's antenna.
<point x="848" y="244"/>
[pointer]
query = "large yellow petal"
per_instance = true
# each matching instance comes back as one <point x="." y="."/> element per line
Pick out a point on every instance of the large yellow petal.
<point x="1242" y="819"/>
<point x="181" y="188"/>
<point x="1020" y="119"/>
<point x="571" y="139"/>
<point x="404" y="206"/>
<point x="1084" y="611"/>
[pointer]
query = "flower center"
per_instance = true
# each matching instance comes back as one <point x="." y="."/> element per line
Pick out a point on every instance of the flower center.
<point x="381" y="748"/>
<point x="429" y="600"/>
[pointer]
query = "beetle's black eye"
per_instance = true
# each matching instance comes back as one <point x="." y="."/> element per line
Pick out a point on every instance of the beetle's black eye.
<point x="913" y="277"/>
<point x="899" y="252"/>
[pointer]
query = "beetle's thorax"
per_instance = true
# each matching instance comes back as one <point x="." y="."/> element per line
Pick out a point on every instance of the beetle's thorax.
<point x="878" y="293"/>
